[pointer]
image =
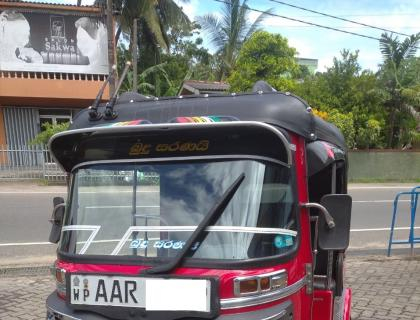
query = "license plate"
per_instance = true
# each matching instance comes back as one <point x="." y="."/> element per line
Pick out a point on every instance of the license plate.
<point x="152" y="294"/>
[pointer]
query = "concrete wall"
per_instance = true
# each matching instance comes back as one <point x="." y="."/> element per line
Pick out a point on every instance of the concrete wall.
<point x="384" y="165"/>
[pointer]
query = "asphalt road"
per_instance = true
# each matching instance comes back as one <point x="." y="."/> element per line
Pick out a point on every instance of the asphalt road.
<point x="371" y="216"/>
<point x="24" y="214"/>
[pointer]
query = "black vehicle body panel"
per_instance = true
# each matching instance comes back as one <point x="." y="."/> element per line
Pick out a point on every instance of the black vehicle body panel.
<point x="276" y="108"/>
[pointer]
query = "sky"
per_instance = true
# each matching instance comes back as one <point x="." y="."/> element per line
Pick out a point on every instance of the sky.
<point x="317" y="43"/>
<point x="322" y="44"/>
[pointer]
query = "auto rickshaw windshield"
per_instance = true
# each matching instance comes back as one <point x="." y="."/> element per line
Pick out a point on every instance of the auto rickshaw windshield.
<point x="151" y="209"/>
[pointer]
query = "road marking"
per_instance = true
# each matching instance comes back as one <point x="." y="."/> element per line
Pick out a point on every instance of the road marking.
<point x="33" y="192"/>
<point x="381" y="229"/>
<point x="121" y="191"/>
<point x="378" y="201"/>
<point x="380" y="187"/>
<point x="65" y="192"/>
<point x="24" y="244"/>
<point x="115" y="207"/>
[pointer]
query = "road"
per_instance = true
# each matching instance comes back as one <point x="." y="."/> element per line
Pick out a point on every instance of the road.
<point x="24" y="214"/>
<point x="371" y="216"/>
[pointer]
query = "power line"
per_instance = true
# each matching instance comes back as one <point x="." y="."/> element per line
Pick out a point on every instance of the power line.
<point x="364" y="15"/>
<point x="306" y="22"/>
<point x="338" y="18"/>
<point x="300" y="26"/>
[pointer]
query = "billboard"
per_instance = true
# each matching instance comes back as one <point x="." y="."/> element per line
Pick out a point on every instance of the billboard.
<point x="45" y="42"/>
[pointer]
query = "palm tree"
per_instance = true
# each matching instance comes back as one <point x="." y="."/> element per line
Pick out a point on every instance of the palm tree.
<point x="155" y="18"/>
<point x="393" y="75"/>
<point x="144" y="86"/>
<point x="230" y="32"/>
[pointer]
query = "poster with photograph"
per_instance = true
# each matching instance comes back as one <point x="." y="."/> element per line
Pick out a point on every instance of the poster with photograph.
<point x="52" y="43"/>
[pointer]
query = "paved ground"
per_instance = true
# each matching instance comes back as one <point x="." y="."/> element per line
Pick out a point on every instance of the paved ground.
<point x="383" y="289"/>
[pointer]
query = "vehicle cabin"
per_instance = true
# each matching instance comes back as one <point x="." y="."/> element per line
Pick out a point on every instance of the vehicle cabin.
<point x="207" y="207"/>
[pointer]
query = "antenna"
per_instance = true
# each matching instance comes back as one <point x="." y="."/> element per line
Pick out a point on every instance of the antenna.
<point x="109" y="113"/>
<point x="94" y="115"/>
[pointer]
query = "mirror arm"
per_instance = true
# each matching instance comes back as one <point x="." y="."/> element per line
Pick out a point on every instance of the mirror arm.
<point x="55" y="221"/>
<point x="328" y="218"/>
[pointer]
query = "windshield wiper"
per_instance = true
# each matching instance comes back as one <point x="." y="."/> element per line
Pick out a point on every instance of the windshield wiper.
<point x="200" y="233"/>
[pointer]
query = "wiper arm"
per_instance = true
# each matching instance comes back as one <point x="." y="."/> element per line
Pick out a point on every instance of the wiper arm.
<point x="199" y="234"/>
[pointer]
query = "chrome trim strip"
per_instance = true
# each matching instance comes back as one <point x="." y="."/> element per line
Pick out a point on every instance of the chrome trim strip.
<point x="234" y="303"/>
<point x="94" y="229"/>
<point x="132" y="229"/>
<point x="165" y="126"/>
<point x="157" y="159"/>
<point x="236" y="282"/>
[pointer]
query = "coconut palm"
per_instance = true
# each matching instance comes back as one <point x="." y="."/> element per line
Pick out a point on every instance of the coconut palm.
<point x="229" y="32"/>
<point x="155" y="17"/>
<point x="144" y="86"/>
<point x="393" y="75"/>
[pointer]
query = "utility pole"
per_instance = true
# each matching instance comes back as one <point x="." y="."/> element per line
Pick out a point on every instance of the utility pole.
<point x="111" y="47"/>
<point x="134" y="54"/>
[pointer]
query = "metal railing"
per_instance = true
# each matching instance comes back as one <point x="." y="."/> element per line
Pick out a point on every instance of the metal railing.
<point x="412" y="239"/>
<point x="28" y="163"/>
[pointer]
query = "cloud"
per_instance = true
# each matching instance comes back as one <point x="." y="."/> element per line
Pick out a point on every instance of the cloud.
<point x="303" y="48"/>
<point x="277" y="22"/>
<point x="370" y="59"/>
<point x="190" y="8"/>
<point x="325" y="62"/>
<point x="397" y="23"/>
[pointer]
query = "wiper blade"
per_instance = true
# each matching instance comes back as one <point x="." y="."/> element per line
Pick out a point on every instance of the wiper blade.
<point x="200" y="232"/>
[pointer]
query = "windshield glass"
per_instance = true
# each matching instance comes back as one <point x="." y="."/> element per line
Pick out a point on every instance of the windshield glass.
<point x="150" y="210"/>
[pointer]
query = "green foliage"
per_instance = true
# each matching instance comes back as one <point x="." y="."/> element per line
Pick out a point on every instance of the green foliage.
<point x="49" y="130"/>
<point x="188" y="60"/>
<point x="229" y="32"/>
<point x="143" y="85"/>
<point x="369" y="135"/>
<point x="348" y="90"/>
<point x="399" y="77"/>
<point x="345" y="123"/>
<point x="268" y="57"/>
<point x="155" y="18"/>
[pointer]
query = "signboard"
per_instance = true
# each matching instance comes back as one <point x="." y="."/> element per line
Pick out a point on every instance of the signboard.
<point x="45" y="42"/>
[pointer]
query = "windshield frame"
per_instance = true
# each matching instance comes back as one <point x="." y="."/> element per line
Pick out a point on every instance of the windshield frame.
<point x="187" y="262"/>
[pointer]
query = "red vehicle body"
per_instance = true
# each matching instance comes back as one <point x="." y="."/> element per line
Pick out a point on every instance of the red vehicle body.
<point x="154" y="228"/>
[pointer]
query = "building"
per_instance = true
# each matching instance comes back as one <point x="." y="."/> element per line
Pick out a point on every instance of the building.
<point x="202" y="87"/>
<point x="53" y="60"/>
<point x="311" y="64"/>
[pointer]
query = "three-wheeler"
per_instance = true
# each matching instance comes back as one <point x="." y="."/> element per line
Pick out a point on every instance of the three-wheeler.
<point x="220" y="207"/>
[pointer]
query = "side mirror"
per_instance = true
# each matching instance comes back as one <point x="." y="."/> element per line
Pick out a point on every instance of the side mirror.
<point x="57" y="219"/>
<point x="339" y="207"/>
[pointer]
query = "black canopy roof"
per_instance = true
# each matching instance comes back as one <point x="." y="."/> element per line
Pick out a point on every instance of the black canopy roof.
<point x="276" y="108"/>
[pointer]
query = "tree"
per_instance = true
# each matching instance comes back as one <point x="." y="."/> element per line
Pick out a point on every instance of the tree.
<point x="268" y="57"/>
<point x="155" y="17"/>
<point x="48" y="131"/>
<point x="230" y="32"/>
<point x="349" y="96"/>
<point x="144" y="86"/>
<point x="188" y="60"/>
<point x="395" y="78"/>
<point x="154" y="20"/>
